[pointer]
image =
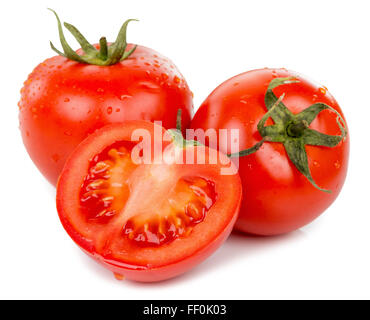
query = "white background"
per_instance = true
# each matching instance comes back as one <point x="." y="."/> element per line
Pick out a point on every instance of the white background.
<point x="209" y="41"/>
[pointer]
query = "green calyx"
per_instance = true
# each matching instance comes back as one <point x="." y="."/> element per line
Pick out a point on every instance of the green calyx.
<point x="178" y="138"/>
<point x="292" y="130"/>
<point x="106" y="56"/>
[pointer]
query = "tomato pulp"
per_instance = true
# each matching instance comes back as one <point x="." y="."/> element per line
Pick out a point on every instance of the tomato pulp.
<point x="277" y="198"/>
<point x="146" y="221"/>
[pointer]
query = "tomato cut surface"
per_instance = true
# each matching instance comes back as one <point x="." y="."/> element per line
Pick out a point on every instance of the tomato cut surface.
<point x="146" y="221"/>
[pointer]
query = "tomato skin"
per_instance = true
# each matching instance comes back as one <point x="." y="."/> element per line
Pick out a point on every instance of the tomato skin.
<point x="276" y="198"/>
<point x="176" y="257"/>
<point x="63" y="101"/>
<point x="168" y="271"/>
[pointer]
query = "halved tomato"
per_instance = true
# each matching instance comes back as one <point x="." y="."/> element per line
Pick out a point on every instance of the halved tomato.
<point x="147" y="218"/>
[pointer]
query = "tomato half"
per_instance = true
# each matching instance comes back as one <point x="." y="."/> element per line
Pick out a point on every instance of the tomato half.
<point x="277" y="198"/>
<point x="63" y="101"/>
<point x="145" y="221"/>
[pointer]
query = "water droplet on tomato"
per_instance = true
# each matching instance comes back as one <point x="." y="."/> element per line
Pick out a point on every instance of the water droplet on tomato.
<point x="109" y="110"/>
<point x="119" y="276"/>
<point x="150" y="86"/>
<point x="118" y="110"/>
<point x="243" y="101"/>
<point x="68" y="133"/>
<point x="100" y="90"/>
<point x="67" y="100"/>
<point x="323" y="90"/>
<point x="124" y="97"/>
<point x="337" y="164"/>
<point x="316" y="164"/>
<point x="176" y="79"/>
<point x="164" y="76"/>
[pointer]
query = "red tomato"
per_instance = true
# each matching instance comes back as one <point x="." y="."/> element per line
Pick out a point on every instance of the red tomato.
<point x="277" y="198"/>
<point x="63" y="101"/>
<point x="146" y="222"/>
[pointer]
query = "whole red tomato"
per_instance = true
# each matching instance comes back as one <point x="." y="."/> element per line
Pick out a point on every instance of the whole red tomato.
<point x="69" y="96"/>
<point x="305" y="150"/>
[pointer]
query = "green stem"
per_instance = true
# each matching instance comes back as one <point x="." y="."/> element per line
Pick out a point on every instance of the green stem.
<point x="103" y="48"/>
<point x="295" y="130"/>
<point x="106" y="56"/>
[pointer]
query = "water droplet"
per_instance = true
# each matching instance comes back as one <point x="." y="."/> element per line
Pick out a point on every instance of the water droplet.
<point x="251" y="121"/>
<point x="235" y="84"/>
<point x="33" y="109"/>
<point x="176" y="79"/>
<point x="68" y="133"/>
<point x="100" y="90"/>
<point x="243" y="101"/>
<point x="118" y="276"/>
<point x="337" y="164"/>
<point x="118" y="110"/>
<point x="323" y="90"/>
<point x="124" y="97"/>
<point x="314" y="97"/>
<point x="67" y="100"/>
<point x="150" y="86"/>
<point x="164" y="76"/>
<point x="316" y="164"/>
<point x="109" y="110"/>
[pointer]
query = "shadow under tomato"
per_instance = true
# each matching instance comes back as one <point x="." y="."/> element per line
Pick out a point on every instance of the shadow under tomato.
<point x="236" y="246"/>
<point x="242" y="245"/>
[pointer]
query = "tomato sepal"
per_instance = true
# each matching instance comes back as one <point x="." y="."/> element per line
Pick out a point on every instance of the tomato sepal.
<point x="107" y="54"/>
<point x="292" y="130"/>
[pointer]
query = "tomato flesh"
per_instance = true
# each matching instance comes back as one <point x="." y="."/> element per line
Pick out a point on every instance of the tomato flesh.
<point x="106" y="191"/>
